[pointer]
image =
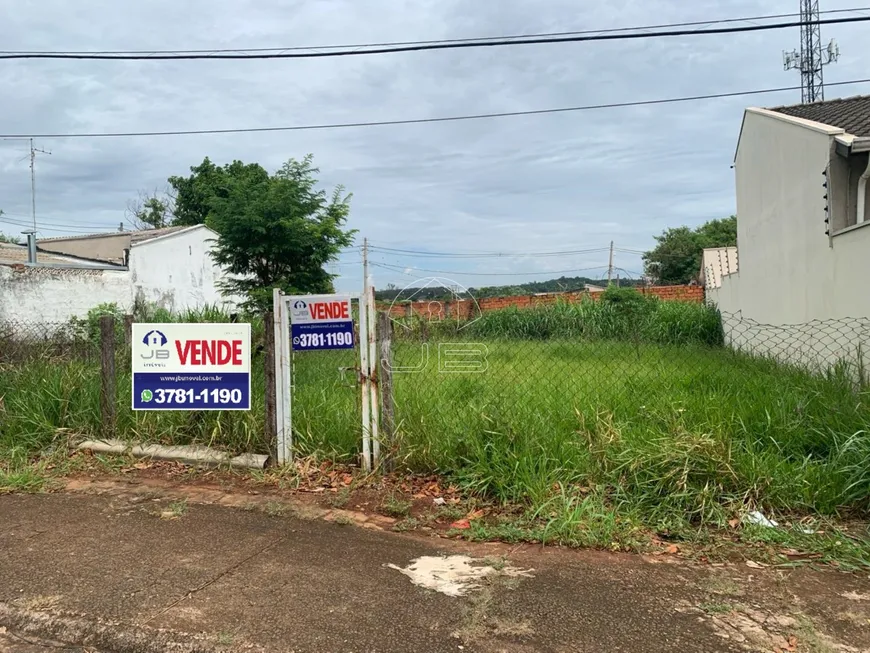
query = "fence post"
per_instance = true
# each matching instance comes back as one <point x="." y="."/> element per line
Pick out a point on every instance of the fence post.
<point x="271" y="426"/>
<point x="385" y="377"/>
<point x="128" y="330"/>
<point x="107" y="386"/>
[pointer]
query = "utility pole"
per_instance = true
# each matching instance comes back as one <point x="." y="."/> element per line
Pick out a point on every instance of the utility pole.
<point x="811" y="59"/>
<point x="610" y="266"/>
<point x="33" y="152"/>
<point x="365" y="261"/>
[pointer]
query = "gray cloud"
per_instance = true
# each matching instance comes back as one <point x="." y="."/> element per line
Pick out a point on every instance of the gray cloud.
<point x="555" y="182"/>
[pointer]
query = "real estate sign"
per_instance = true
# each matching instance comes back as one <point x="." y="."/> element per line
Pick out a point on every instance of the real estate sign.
<point x="191" y="366"/>
<point x="321" y="322"/>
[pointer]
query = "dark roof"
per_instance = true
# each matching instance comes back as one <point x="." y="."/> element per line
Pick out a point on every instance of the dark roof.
<point x="851" y="113"/>
<point x="135" y="236"/>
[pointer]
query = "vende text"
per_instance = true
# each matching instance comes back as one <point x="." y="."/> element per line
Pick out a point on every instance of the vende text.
<point x="209" y="352"/>
<point x="329" y="311"/>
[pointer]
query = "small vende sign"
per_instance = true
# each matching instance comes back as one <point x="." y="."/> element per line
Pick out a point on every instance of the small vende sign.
<point x="321" y="322"/>
<point x="191" y="366"/>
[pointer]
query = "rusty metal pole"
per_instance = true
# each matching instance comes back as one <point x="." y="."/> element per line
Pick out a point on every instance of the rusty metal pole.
<point x="107" y="386"/>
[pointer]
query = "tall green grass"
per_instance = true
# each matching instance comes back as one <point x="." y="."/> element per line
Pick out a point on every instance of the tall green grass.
<point x="635" y="404"/>
<point x="623" y="315"/>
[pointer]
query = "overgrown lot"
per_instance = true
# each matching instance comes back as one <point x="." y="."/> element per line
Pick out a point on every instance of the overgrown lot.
<point x="599" y="415"/>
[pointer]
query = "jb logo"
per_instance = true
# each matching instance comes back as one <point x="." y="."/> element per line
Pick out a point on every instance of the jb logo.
<point x="453" y="358"/>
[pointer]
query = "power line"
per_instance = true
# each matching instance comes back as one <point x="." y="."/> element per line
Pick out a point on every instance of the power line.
<point x="435" y="46"/>
<point x="418" y="121"/>
<point x="409" y="271"/>
<point x="611" y="30"/>
<point x="473" y="255"/>
<point x="20" y="216"/>
<point x="45" y="227"/>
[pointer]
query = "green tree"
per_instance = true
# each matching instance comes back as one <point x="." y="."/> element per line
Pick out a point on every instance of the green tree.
<point x="676" y="259"/>
<point x="194" y="195"/>
<point x="150" y="211"/>
<point x="275" y="231"/>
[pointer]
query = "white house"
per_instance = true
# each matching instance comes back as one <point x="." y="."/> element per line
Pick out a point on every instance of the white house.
<point x="803" y="224"/>
<point x="171" y="268"/>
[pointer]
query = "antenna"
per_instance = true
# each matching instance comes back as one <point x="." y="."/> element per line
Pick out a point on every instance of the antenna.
<point x="33" y="153"/>
<point x="811" y="59"/>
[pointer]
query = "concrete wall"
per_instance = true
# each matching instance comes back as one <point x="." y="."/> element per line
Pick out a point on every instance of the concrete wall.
<point x="176" y="271"/>
<point x="50" y="295"/>
<point x="790" y="272"/>
<point x="464" y="309"/>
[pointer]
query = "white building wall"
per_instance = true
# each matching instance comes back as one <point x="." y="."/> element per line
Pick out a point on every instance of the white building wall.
<point x="789" y="270"/>
<point x="797" y="295"/>
<point x="176" y="271"/>
<point x="53" y="295"/>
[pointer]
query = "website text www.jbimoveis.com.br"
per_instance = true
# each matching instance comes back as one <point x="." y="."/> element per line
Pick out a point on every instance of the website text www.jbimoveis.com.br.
<point x="177" y="378"/>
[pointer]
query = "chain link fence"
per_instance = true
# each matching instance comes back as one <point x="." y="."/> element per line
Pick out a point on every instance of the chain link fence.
<point x="656" y="394"/>
<point x="22" y="342"/>
<point x="531" y="392"/>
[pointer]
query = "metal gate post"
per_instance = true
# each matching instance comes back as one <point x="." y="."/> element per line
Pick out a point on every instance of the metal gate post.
<point x="283" y="380"/>
<point x="366" y="381"/>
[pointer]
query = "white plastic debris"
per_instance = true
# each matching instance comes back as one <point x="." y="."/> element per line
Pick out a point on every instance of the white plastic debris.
<point x="439" y="501"/>
<point x="755" y="517"/>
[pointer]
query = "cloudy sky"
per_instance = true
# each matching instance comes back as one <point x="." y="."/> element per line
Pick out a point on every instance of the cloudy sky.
<point x="521" y="184"/>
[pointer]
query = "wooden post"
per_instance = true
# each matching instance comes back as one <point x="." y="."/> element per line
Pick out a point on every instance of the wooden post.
<point x="270" y="432"/>
<point x="128" y="330"/>
<point x="107" y="394"/>
<point x="385" y="379"/>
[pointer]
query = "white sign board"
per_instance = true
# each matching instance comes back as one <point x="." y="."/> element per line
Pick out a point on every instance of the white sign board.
<point x="191" y="366"/>
<point x="321" y="322"/>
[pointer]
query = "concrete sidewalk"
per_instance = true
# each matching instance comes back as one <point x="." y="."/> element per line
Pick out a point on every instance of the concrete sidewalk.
<point x="127" y="573"/>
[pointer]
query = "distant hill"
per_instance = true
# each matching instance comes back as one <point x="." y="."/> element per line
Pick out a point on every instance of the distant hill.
<point x="562" y="284"/>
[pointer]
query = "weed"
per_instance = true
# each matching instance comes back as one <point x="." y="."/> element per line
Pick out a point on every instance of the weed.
<point x="174" y="510"/>
<point x="22" y="479"/>
<point x="395" y="506"/>
<point x="449" y="513"/>
<point x="342" y="520"/>
<point x="341" y="498"/>
<point x="225" y="639"/>
<point x="496" y="563"/>
<point x="275" y="509"/>
<point x="407" y="524"/>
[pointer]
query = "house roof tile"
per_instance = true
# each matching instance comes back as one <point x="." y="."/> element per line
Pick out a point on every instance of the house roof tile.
<point x="851" y="114"/>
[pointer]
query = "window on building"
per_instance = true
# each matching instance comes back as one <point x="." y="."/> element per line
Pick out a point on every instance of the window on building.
<point x="844" y="175"/>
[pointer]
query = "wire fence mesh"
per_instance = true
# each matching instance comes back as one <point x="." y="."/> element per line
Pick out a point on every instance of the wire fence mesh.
<point x="531" y="377"/>
<point x="23" y="342"/>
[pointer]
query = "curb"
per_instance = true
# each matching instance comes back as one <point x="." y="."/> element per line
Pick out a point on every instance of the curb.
<point x="106" y="636"/>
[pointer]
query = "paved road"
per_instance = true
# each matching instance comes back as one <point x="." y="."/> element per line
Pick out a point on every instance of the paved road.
<point x="118" y="569"/>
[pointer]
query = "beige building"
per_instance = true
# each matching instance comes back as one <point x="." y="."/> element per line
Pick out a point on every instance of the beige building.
<point x="803" y="215"/>
<point x="803" y="227"/>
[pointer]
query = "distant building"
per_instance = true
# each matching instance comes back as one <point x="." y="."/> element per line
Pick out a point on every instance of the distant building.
<point x="171" y="268"/>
